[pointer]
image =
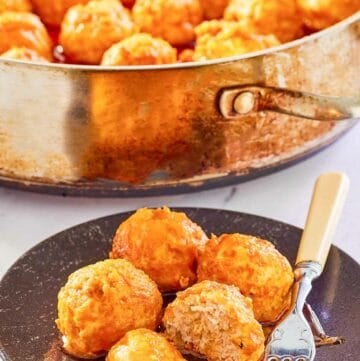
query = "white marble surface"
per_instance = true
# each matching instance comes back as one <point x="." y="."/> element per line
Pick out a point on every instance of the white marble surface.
<point x="28" y="218"/>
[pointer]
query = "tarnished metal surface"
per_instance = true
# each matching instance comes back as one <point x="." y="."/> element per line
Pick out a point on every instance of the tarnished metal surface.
<point x="237" y="102"/>
<point x="160" y="125"/>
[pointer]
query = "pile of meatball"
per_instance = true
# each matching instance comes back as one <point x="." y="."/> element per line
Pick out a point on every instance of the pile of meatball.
<point x="150" y="32"/>
<point x="227" y="288"/>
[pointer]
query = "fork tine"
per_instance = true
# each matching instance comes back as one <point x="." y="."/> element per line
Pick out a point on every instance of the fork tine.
<point x="321" y="339"/>
<point x="286" y="358"/>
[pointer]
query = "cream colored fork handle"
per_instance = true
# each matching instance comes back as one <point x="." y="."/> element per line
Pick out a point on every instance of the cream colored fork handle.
<point x="326" y="205"/>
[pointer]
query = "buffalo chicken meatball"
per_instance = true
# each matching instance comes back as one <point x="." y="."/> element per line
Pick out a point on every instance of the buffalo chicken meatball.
<point x="87" y="31"/>
<point x="319" y="14"/>
<point x="23" y="54"/>
<point x="214" y="9"/>
<point x="214" y="320"/>
<point x="218" y="39"/>
<point x="172" y="20"/>
<point x="140" y="49"/>
<point x="101" y="302"/>
<point x="15" y="5"/>
<point x="52" y="12"/>
<point x="21" y="29"/>
<point x="142" y="345"/>
<point x="162" y="243"/>
<point x="255" y="267"/>
<point x="186" y="56"/>
<point x="278" y="17"/>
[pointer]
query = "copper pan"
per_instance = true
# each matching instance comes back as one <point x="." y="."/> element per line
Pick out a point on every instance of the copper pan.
<point x="106" y="131"/>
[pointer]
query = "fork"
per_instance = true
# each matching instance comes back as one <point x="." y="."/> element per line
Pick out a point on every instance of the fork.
<point x="292" y="338"/>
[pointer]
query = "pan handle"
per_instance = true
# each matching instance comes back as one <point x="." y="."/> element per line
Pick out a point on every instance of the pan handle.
<point x="243" y="100"/>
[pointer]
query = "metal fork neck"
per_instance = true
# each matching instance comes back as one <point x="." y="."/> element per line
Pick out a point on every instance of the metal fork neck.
<point x="305" y="273"/>
<point x="293" y="335"/>
<point x="308" y="269"/>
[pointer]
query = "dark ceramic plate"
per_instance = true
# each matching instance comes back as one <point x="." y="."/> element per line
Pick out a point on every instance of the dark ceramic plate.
<point x="29" y="289"/>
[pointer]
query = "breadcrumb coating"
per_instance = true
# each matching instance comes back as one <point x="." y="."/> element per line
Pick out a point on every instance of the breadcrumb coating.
<point x="143" y="345"/>
<point x="163" y="243"/>
<point x="172" y="20"/>
<point x="87" y="31"/>
<point x="255" y="267"/>
<point x="15" y="5"/>
<point x="219" y="39"/>
<point x="23" y="54"/>
<point x="319" y="14"/>
<point x="281" y="18"/>
<point x="23" y="29"/>
<point x="101" y="302"/>
<point x="214" y="320"/>
<point x="140" y="49"/>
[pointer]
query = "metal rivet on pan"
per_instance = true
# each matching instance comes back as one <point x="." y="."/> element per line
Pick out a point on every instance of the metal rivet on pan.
<point x="244" y="102"/>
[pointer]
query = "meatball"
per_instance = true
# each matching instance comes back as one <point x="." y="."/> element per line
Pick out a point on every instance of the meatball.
<point x="172" y="20"/>
<point x="216" y="321"/>
<point x="21" y="29"/>
<point x="219" y="39"/>
<point x="214" y="9"/>
<point x="278" y="17"/>
<point x="186" y="56"/>
<point x="255" y="267"/>
<point x="87" y="31"/>
<point x="162" y="243"/>
<point x="15" y="5"/>
<point x="141" y="345"/>
<point x="319" y="14"/>
<point x="140" y="49"/>
<point x="52" y="12"/>
<point x="101" y="302"/>
<point x="23" y="54"/>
